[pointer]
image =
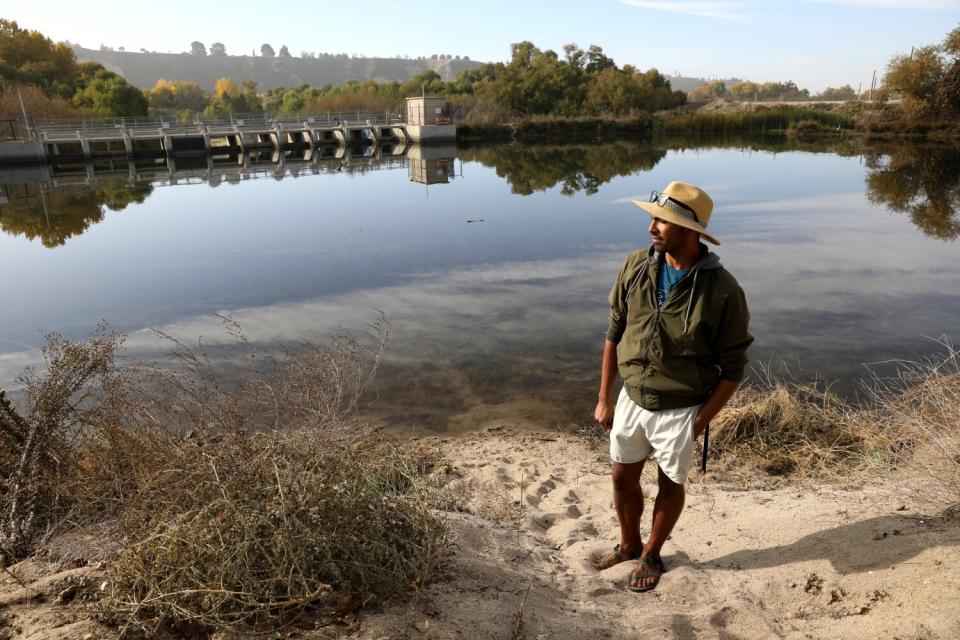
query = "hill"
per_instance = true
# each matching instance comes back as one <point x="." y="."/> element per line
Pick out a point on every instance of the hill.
<point x="144" y="69"/>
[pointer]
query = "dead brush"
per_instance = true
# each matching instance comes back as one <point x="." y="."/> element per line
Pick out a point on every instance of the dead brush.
<point x="254" y="531"/>
<point x="783" y="427"/>
<point x="234" y="483"/>
<point x="38" y="450"/>
<point x="918" y="417"/>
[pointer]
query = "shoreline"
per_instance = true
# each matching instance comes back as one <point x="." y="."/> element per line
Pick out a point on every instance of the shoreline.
<point x="844" y="559"/>
<point x="806" y="122"/>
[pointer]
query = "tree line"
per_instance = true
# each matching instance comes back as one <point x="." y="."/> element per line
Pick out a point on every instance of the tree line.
<point x="747" y="91"/>
<point x="534" y="82"/>
<point x="51" y="78"/>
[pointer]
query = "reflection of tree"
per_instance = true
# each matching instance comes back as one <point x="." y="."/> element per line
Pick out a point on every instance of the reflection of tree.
<point x="921" y="181"/>
<point x="68" y="212"/>
<point x="574" y="167"/>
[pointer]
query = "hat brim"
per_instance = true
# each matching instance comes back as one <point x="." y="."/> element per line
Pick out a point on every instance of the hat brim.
<point x="656" y="211"/>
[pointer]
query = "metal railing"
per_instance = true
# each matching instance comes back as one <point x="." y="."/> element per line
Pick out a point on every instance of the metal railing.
<point x="70" y="127"/>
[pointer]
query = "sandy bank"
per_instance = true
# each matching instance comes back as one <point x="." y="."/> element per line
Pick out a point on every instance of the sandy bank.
<point x="798" y="561"/>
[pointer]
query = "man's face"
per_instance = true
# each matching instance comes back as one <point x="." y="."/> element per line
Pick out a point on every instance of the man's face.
<point x="666" y="236"/>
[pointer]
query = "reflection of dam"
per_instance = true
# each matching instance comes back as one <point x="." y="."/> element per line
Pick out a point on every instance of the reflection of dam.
<point x="431" y="164"/>
<point x="212" y="169"/>
<point x="54" y="202"/>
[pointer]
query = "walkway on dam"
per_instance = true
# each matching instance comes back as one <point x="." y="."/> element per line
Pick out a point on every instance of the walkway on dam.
<point x="131" y="137"/>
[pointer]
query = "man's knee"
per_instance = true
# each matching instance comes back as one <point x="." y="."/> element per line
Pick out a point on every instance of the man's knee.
<point x="667" y="486"/>
<point x="626" y="476"/>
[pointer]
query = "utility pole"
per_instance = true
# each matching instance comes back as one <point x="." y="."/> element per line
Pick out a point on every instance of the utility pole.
<point x="26" y="123"/>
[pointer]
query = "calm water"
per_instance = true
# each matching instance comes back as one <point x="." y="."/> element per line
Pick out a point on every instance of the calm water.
<point x="494" y="275"/>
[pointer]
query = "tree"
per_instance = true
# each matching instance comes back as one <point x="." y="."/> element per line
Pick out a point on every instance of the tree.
<point x="228" y="99"/>
<point x="284" y="52"/>
<point x="597" y="61"/>
<point x="218" y="49"/>
<point x="178" y="95"/>
<point x="266" y="50"/>
<point x="197" y="48"/>
<point x="915" y="77"/>
<point x="845" y="92"/>
<point x="224" y="85"/>
<point x="106" y="94"/>
<point x="744" y="91"/>
<point x="709" y="90"/>
<point x="29" y="57"/>
<point x="946" y="100"/>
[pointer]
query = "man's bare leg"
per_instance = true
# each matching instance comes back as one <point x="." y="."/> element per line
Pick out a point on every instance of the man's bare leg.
<point x="666" y="511"/>
<point x="628" y="502"/>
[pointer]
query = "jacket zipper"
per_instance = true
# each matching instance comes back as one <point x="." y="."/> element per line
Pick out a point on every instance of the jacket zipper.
<point x="646" y="350"/>
<point x="646" y="359"/>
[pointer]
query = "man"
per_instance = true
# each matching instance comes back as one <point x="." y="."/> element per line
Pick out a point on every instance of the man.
<point x="678" y="334"/>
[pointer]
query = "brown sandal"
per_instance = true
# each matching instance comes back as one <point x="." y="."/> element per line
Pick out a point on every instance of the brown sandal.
<point x="648" y="567"/>
<point x="616" y="558"/>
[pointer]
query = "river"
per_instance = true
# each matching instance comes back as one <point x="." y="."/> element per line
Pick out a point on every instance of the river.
<point x="491" y="264"/>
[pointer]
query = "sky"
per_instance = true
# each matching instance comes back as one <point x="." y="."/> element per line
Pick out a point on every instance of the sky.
<point x="814" y="43"/>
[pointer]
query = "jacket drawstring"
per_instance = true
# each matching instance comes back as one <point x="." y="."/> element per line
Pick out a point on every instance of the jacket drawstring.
<point x="693" y="289"/>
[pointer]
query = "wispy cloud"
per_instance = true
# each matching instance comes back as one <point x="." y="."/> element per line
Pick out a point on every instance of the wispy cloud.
<point x="704" y="8"/>
<point x="894" y="4"/>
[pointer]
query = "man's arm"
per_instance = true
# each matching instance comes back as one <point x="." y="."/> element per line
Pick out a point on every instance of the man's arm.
<point x="608" y="376"/>
<point x="720" y="396"/>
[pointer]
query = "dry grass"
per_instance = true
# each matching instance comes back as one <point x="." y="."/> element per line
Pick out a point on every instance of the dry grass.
<point x="918" y="415"/>
<point x="236" y="487"/>
<point x="908" y="425"/>
<point x="789" y="428"/>
<point x="254" y="531"/>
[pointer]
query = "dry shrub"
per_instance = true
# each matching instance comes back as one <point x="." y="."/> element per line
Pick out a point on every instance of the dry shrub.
<point x="149" y="414"/>
<point x="234" y="483"/>
<point x="783" y="427"/>
<point x="918" y="414"/>
<point x="38" y="448"/>
<point x="255" y="530"/>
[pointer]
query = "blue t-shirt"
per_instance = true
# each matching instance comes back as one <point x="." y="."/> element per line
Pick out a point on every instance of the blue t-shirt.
<point x="667" y="278"/>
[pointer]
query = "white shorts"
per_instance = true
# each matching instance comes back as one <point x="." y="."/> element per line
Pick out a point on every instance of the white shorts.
<point x="666" y="436"/>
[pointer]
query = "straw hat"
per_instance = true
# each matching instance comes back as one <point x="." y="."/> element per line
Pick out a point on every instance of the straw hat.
<point x="682" y="204"/>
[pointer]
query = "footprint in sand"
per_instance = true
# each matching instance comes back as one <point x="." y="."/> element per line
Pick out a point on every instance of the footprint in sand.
<point x="543" y="521"/>
<point x="546" y="487"/>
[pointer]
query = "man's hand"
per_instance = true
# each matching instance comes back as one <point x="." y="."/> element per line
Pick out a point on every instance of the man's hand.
<point x="699" y="425"/>
<point x="721" y="394"/>
<point x="608" y="374"/>
<point x="604" y="414"/>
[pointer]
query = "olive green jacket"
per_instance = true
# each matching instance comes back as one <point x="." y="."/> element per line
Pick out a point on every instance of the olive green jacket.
<point x="672" y="356"/>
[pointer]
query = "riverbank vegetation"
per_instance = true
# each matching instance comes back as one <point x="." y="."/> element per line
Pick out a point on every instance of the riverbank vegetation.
<point x="538" y="95"/>
<point x="232" y="490"/>
<point x="236" y="493"/>
<point x="48" y="79"/>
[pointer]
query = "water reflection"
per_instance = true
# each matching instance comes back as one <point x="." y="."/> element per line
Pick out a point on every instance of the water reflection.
<point x="53" y="203"/>
<point x="54" y="215"/>
<point x="574" y="167"/>
<point x="431" y="164"/>
<point x="920" y="181"/>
